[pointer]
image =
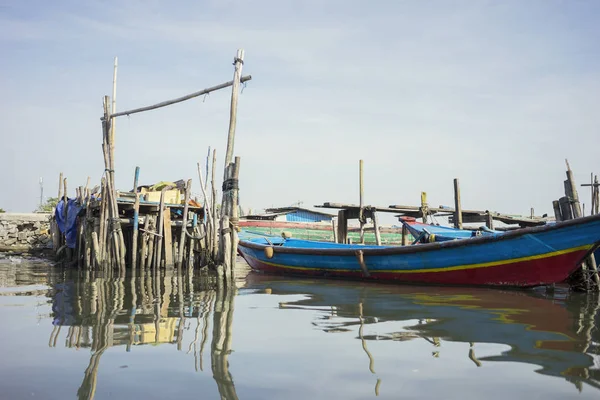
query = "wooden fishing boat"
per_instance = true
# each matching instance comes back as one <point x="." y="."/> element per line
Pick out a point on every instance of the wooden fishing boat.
<point x="526" y="257"/>
<point x="427" y="233"/>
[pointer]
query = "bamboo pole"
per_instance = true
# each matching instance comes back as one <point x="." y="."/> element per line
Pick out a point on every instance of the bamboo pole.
<point x="180" y="99"/>
<point x="150" y="261"/>
<point x="160" y="227"/>
<point x="134" y="239"/>
<point x="103" y="209"/>
<point x="457" y="205"/>
<point x="376" y="228"/>
<point x="234" y="215"/>
<point x="574" y="196"/>
<point x="235" y="89"/>
<point x="215" y="223"/>
<point x="361" y="216"/>
<point x="188" y="189"/>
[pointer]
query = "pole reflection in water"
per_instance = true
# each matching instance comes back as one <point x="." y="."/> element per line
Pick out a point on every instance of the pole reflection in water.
<point x="151" y="308"/>
<point x="556" y="333"/>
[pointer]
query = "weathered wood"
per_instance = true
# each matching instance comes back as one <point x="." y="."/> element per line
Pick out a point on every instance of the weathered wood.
<point x="597" y="202"/>
<point x="334" y="230"/>
<point x="226" y="247"/>
<point x="60" y="186"/>
<point x="102" y="229"/>
<point x="573" y="195"/>
<point x="489" y="220"/>
<point x="376" y="228"/>
<point x="342" y="234"/>
<point x="557" y="212"/>
<point x="361" y="217"/>
<point x="136" y="179"/>
<point x="424" y="207"/>
<point x="457" y="205"/>
<point x="235" y="90"/>
<point x="144" y="244"/>
<point x="151" y="228"/>
<point x="180" y="99"/>
<point x="168" y="238"/>
<point x="114" y="102"/>
<point x="234" y="216"/>
<point x="96" y="249"/>
<point x="160" y="228"/>
<point x="188" y="188"/>
<point x="404" y="235"/>
<point x="565" y="208"/>
<point x="215" y="221"/>
<point x="134" y="237"/>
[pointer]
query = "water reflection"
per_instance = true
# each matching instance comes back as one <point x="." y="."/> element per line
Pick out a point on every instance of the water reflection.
<point x="100" y="313"/>
<point x="289" y="330"/>
<point x="557" y="332"/>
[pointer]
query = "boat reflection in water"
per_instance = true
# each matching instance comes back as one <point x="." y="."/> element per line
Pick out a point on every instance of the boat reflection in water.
<point x="100" y="313"/>
<point x="554" y="331"/>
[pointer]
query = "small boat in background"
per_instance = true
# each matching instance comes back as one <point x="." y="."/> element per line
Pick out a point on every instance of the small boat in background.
<point x="427" y="233"/>
<point x="525" y="257"/>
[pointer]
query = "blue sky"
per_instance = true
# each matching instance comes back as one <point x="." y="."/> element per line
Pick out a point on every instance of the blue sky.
<point x="497" y="94"/>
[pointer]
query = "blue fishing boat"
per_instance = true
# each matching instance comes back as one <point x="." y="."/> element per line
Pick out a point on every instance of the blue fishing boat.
<point x="426" y="233"/>
<point x="526" y="257"/>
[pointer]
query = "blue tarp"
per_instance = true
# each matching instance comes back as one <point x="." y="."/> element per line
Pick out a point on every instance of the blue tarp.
<point x="71" y="223"/>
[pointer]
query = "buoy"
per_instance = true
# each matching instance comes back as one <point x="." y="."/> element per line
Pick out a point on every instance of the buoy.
<point x="286" y="234"/>
<point x="269" y="252"/>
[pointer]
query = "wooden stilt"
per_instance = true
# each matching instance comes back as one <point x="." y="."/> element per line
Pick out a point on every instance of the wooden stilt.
<point x="376" y="228"/>
<point x="188" y="189"/>
<point x="361" y="216"/>
<point x="457" y="206"/>
<point x="134" y="237"/>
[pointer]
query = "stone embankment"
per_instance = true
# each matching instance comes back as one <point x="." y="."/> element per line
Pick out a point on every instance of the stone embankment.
<point x="25" y="233"/>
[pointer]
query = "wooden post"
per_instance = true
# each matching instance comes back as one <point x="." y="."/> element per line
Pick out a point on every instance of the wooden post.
<point x="557" y="212"/>
<point x="376" y="228"/>
<point x="342" y="228"/>
<point x="489" y="220"/>
<point x="424" y="207"/>
<point x="404" y="235"/>
<point x="565" y="208"/>
<point x="151" y="227"/>
<point x="597" y="188"/>
<point x="532" y="213"/>
<point x="144" y="244"/>
<point x="60" y="186"/>
<point x="114" y="102"/>
<point x="160" y="226"/>
<point x="361" y="215"/>
<point x="234" y="215"/>
<point x="215" y="220"/>
<point x="457" y="206"/>
<point x="134" y="240"/>
<point x="574" y="197"/>
<point x="136" y="178"/>
<point x="188" y="188"/>
<point x="66" y="216"/>
<point x="168" y="238"/>
<point x="238" y="63"/>
<point x="333" y="230"/>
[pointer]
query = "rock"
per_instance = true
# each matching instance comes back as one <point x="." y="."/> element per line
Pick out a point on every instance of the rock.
<point x="37" y="224"/>
<point x="22" y="236"/>
<point x="10" y="242"/>
<point x="12" y="235"/>
<point x="12" y="230"/>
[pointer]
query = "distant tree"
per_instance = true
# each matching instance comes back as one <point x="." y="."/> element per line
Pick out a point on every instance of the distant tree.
<point x="49" y="205"/>
<point x="2" y="210"/>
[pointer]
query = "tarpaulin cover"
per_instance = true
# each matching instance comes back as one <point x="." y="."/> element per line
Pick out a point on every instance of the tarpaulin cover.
<point x="71" y="223"/>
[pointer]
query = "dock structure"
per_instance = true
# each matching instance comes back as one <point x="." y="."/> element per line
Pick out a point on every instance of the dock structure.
<point x="157" y="226"/>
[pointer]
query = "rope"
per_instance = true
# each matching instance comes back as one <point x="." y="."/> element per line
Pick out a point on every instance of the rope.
<point x="231" y="184"/>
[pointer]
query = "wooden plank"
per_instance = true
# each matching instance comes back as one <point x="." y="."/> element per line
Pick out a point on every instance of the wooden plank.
<point x="457" y="206"/>
<point x="168" y="239"/>
<point x="342" y="234"/>
<point x="376" y="228"/>
<point x="557" y="212"/>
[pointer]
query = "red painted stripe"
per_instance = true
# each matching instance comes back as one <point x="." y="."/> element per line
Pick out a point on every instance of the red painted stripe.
<point x="554" y="269"/>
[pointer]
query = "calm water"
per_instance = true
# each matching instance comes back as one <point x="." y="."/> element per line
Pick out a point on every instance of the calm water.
<point x="66" y="335"/>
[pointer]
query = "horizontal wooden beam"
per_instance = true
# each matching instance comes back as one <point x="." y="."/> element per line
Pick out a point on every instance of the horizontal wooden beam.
<point x="179" y="99"/>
